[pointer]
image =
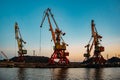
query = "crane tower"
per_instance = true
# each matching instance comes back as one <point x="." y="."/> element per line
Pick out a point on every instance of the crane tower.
<point x="59" y="44"/>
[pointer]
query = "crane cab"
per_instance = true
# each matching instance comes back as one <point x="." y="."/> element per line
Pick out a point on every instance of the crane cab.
<point x="22" y="52"/>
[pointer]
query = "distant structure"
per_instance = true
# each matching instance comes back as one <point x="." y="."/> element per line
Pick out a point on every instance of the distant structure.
<point x="107" y="56"/>
<point x="59" y="44"/>
<point x="119" y="55"/>
<point x="20" y="42"/>
<point x="97" y="58"/>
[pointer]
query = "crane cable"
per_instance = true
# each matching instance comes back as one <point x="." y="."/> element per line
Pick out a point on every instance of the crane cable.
<point x="40" y="34"/>
<point x="15" y="48"/>
<point x="90" y="40"/>
<point x="40" y="44"/>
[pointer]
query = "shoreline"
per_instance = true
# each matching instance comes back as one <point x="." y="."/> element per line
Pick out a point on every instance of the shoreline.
<point x="47" y="65"/>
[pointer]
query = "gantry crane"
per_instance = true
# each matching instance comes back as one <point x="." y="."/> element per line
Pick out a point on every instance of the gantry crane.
<point x="20" y="42"/>
<point x="59" y="44"/>
<point x="4" y="55"/>
<point x="97" y="58"/>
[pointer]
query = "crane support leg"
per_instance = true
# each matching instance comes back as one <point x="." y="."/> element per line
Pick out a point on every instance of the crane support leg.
<point x="20" y="58"/>
<point x="58" y="55"/>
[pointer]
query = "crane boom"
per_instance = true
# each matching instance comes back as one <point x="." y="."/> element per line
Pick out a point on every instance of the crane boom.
<point x="4" y="55"/>
<point x="51" y="29"/>
<point x="53" y="18"/>
<point x="95" y="34"/>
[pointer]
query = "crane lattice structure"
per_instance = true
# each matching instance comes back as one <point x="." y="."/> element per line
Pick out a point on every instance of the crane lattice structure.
<point x="59" y="44"/>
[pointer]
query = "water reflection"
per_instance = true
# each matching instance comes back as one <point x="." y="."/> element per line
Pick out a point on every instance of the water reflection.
<point x="87" y="72"/>
<point x="59" y="74"/>
<point x="94" y="73"/>
<point x="98" y="74"/>
<point x="21" y="73"/>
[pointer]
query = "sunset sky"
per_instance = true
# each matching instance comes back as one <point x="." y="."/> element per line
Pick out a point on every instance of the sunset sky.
<point x="72" y="16"/>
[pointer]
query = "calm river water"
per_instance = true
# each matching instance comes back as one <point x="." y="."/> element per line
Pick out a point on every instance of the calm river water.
<point x="59" y="74"/>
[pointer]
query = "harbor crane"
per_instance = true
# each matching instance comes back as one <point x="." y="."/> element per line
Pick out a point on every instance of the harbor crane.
<point x="4" y="55"/>
<point x="20" y="42"/>
<point x="97" y="58"/>
<point x="59" y="44"/>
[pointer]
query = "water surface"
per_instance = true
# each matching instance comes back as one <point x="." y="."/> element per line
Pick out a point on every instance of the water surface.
<point x="59" y="74"/>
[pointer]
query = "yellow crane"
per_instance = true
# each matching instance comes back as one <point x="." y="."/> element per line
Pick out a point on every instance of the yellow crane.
<point x="60" y="46"/>
<point x="20" y="42"/>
